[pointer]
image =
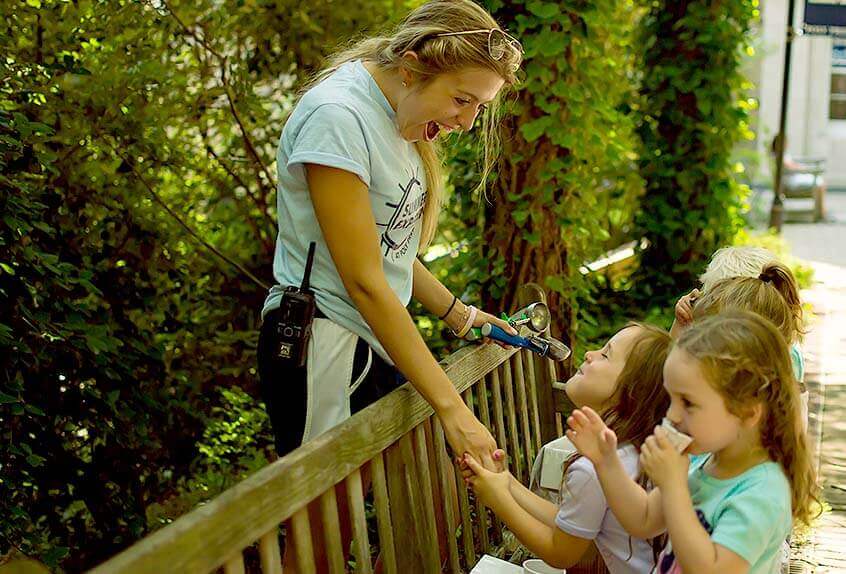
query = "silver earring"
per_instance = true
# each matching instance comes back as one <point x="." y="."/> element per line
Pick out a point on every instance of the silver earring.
<point x="404" y="84"/>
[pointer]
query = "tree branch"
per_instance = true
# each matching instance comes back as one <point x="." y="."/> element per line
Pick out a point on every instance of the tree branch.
<point x="248" y="143"/>
<point x="158" y="199"/>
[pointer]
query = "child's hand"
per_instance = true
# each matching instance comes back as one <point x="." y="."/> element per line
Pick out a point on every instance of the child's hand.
<point x="684" y="308"/>
<point x="661" y="462"/>
<point x="488" y="486"/>
<point x="467" y="472"/>
<point x="591" y="436"/>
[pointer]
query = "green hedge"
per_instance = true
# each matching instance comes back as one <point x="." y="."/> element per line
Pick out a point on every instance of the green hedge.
<point x="692" y="112"/>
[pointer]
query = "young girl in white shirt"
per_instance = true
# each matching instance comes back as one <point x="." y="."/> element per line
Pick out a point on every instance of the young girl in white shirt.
<point x="623" y="381"/>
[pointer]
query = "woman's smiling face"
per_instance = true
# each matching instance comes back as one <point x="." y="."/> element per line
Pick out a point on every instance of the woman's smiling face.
<point x="449" y="101"/>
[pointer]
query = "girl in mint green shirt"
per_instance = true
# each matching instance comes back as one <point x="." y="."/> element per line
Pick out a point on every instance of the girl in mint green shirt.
<point x="729" y="507"/>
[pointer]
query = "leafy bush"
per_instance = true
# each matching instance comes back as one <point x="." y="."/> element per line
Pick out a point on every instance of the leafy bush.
<point x="692" y="112"/>
<point x="236" y="442"/>
<point x="118" y="326"/>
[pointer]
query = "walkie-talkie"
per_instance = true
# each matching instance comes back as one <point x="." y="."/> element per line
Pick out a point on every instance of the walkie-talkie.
<point x="295" y="317"/>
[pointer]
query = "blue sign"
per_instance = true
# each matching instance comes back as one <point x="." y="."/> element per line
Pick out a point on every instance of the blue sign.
<point x="827" y="18"/>
<point x="838" y="57"/>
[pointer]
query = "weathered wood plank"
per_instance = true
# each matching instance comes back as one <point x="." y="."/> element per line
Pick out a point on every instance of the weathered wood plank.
<point x="205" y="538"/>
<point x="485" y="417"/>
<point x="234" y="565"/>
<point x="499" y="417"/>
<point x="464" y="508"/>
<point x="301" y="534"/>
<point x="425" y="500"/>
<point x="466" y="525"/>
<point x="332" y="531"/>
<point x="383" y="514"/>
<point x="511" y="417"/>
<point x="361" y="542"/>
<point x="546" y="404"/>
<point x="481" y="512"/>
<point x="523" y="411"/>
<point x="409" y="552"/>
<point x="532" y="383"/>
<point x="441" y="527"/>
<point x="271" y="558"/>
<point x="447" y="483"/>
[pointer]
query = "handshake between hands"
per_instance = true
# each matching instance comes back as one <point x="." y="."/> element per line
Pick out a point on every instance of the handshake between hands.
<point x="661" y="456"/>
<point x="490" y="485"/>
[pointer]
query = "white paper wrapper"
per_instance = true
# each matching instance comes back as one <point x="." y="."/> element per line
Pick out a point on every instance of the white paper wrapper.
<point x="679" y="440"/>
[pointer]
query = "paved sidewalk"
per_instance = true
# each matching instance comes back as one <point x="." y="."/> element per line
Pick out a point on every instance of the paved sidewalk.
<point x="823" y="245"/>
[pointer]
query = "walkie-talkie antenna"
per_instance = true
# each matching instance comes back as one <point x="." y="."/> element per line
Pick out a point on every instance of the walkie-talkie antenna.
<point x="309" y="261"/>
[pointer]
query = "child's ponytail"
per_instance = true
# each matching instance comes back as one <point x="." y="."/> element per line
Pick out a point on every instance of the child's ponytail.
<point x="773" y="294"/>
<point x="780" y="277"/>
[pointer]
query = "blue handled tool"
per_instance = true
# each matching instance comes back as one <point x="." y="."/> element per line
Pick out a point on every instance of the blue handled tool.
<point x="543" y="346"/>
<point x="498" y="333"/>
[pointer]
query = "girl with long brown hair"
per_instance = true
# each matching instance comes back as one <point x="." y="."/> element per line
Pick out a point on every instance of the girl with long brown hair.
<point x="623" y="380"/>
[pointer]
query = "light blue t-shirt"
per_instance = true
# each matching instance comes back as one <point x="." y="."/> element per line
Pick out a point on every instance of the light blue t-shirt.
<point x="749" y="514"/>
<point x="346" y="122"/>
<point x="798" y="362"/>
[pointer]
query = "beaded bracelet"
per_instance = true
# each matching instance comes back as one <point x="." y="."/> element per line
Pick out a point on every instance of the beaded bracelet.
<point x="469" y="324"/>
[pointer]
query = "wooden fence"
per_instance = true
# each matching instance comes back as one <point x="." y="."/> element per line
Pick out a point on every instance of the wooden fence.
<point x="426" y="520"/>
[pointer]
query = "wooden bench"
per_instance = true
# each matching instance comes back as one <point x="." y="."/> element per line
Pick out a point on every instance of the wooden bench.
<point x="426" y="519"/>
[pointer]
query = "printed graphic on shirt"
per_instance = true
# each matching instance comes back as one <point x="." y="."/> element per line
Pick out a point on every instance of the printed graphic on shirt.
<point x="399" y="229"/>
<point x="667" y="561"/>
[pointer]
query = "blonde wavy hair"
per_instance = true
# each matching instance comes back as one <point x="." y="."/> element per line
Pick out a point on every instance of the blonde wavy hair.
<point x="418" y="33"/>
<point x="746" y="359"/>
<point x="772" y="294"/>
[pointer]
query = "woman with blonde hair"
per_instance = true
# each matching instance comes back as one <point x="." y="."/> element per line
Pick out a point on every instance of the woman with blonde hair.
<point x="360" y="177"/>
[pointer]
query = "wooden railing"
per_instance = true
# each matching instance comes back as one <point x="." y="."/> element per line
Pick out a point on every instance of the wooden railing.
<point x="420" y="502"/>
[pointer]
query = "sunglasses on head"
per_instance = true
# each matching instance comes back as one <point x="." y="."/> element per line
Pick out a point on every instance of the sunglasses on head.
<point x="498" y="43"/>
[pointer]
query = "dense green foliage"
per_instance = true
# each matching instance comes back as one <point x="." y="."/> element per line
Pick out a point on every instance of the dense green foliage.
<point x="692" y="113"/>
<point x="118" y="327"/>
<point x="128" y="347"/>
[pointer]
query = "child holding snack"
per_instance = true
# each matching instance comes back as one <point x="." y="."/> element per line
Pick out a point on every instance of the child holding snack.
<point x="623" y="380"/>
<point x="729" y="507"/>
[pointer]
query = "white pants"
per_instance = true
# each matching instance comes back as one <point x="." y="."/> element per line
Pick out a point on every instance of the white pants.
<point x="329" y="383"/>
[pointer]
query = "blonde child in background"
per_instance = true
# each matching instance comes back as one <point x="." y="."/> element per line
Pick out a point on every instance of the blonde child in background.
<point x="623" y="380"/>
<point x="747" y="261"/>
<point x="726" y="262"/>
<point x="774" y="295"/>
<point x="730" y="506"/>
